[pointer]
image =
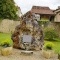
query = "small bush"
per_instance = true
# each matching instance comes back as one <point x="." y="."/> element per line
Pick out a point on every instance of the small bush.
<point x="6" y="43"/>
<point x="49" y="46"/>
<point x="50" y="34"/>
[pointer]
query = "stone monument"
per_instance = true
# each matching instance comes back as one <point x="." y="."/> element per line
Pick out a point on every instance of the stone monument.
<point x="28" y="27"/>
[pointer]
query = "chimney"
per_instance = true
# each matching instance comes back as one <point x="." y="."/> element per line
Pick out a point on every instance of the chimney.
<point x="58" y="7"/>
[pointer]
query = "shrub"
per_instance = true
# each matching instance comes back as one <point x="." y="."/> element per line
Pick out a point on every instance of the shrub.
<point x="6" y="43"/>
<point x="49" y="46"/>
<point x="50" y="34"/>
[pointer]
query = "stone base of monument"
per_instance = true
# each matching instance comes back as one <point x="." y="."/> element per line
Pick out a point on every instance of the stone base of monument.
<point x="26" y="52"/>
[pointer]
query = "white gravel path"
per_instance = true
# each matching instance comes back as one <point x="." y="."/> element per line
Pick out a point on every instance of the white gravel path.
<point x="16" y="55"/>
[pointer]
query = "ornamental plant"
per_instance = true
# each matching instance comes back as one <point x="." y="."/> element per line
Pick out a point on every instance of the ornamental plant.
<point x="49" y="46"/>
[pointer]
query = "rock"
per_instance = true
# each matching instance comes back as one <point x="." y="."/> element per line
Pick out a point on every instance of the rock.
<point x="27" y="52"/>
<point x="15" y="45"/>
<point x="48" y="54"/>
<point x="28" y="27"/>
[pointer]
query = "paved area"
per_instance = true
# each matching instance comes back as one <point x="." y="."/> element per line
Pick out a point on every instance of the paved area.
<point x="16" y="55"/>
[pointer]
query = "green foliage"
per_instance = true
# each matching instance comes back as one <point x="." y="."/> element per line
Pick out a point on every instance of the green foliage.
<point x="50" y="34"/>
<point x="5" y="44"/>
<point x="8" y="9"/>
<point x="49" y="46"/>
<point x="43" y="22"/>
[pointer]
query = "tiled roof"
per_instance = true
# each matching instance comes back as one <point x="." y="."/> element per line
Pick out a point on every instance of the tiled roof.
<point x="41" y="10"/>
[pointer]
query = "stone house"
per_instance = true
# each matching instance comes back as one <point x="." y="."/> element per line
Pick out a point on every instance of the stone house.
<point x="40" y="13"/>
<point x="57" y="15"/>
<point x="57" y="19"/>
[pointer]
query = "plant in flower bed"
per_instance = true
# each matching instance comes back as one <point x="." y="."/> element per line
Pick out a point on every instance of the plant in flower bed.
<point x="5" y="44"/>
<point x="49" y="46"/>
<point x="6" y="49"/>
<point x="48" y="51"/>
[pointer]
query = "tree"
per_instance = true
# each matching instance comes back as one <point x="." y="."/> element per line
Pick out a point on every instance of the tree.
<point x="8" y="9"/>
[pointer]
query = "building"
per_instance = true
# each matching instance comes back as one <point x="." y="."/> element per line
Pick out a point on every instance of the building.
<point x="57" y="15"/>
<point x="44" y="15"/>
<point x="19" y="13"/>
<point x="40" y="13"/>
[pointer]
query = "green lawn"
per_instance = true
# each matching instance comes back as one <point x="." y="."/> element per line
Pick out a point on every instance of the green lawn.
<point x="57" y="46"/>
<point x="7" y="38"/>
<point x="4" y="37"/>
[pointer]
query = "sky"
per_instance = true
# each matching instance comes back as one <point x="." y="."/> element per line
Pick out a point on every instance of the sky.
<point x="26" y="5"/>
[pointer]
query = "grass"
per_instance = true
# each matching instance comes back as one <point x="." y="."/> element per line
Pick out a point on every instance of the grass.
<point x="4" y="37"/>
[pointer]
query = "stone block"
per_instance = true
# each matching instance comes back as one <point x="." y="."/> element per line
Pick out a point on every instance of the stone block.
<point x="6" y="51"/>
<point x="48" y="54"/>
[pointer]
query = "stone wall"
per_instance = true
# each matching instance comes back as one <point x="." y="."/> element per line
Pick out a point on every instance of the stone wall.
<point x="8" y="26"/>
